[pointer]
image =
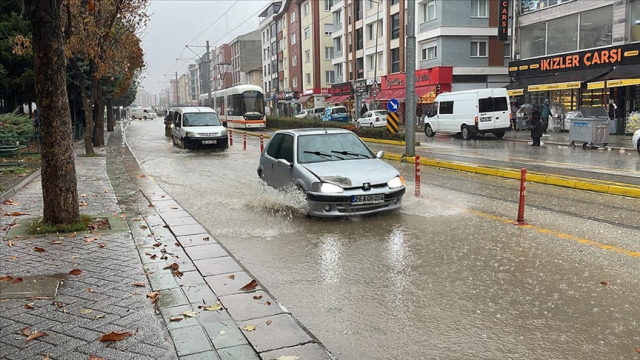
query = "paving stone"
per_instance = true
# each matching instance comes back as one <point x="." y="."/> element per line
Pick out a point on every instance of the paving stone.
<point x="184" y="230"/>
<point x="190" y="340"/>
<point x="223" y="285"/>
<point x="171" y="298"/>
<point x="207" y="251"/>
<point x="306" y="352"/>
<point x="181" y="221"/>
<point x="244" y="306"/>
<point x="222" y="265"/>
<point x="162" y="281"/>
<point x="177" y="311"/>
<point x="283" y="332"/>
<point x="190" y="278"/>
<point x="195" y="240"/>
<point x="225" y="334"/>
<point x="244" y="352"/>
<point x="199" y="294"/>
<point x="207" y="355"/>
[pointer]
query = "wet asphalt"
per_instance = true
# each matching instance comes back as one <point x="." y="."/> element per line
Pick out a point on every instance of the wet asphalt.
<point x="449" y="275"/>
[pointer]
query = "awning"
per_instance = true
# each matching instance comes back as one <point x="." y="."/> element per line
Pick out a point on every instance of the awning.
<point x="426" y="94"/>
<point x="556" y="86"/>
<point x="559" y="81"/>
<point x="303" y="99"/>
<point x="337" y="99"/>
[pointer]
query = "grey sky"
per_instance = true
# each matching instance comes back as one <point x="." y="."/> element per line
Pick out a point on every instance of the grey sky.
<point x="176" y="23"/>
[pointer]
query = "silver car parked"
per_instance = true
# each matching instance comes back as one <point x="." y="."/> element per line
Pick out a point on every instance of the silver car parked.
<point x="338" y="173"/>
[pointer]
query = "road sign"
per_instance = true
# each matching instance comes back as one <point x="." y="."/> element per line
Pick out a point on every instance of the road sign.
<point x="392" y="122"/>
<point x="393" y="105"/>
<point x="374" y="92"/>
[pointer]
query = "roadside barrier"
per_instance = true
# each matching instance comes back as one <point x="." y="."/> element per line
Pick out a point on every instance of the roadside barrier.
<point x="417" y="175"/>
<point x="523" y="189"/>
<point x="261" y="143"/>
<point x="244" y="146"/>
<point x="230" y="137"/>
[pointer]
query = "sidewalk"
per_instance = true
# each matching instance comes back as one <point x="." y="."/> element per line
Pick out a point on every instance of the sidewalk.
<point x="616" y="142"/>
<point x="157" y="277"/>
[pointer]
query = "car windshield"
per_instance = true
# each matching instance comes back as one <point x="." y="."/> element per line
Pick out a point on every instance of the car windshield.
<point x="344" y="146"/>
<point x="339" y="110"/>
<point x="380" y="113"/>
<point x="201" y="119"/>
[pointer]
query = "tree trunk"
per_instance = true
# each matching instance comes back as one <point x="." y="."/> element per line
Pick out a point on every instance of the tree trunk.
<point x="86" y="107"/>
<point x="59" y="183"/>
<point x="111" y="121"/>
<point x="98" y="139"/>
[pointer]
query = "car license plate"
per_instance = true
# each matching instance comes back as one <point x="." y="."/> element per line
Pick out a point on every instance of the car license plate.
<point x="367" y="199"/>
<point x="209" y="141"/>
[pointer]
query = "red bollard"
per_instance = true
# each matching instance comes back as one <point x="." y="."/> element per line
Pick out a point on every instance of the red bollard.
<point x="244" y="146"/>
<point x="261" y="143"/>
<point x="230" y="137"/>
<point x="523" y="188"/>
<point x="417" y="175"/>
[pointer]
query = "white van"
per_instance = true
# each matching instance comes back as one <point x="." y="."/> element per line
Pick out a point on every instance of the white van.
<point x="142" y="113"/>
<point x="470" y="113"/>
<point x="198" y="127"/>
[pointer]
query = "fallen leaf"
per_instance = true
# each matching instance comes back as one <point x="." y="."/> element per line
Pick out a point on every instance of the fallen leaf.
<point x="141" y="175"/>
<point x="286" y="357"/>
<point x="90" y="290"/>
<point x="250" y="286"/>
<point x="150" y="205"/>
<point x="174" y="208"/>
<point x="638" y="350"/>
<point x="99" y="317"/>
<point x="206" y="238"/>
<point x="29" y="305"/>
<point x="154" y="256"/>
<point x="9" y="202"/>
<point x="6" y="278"/>
<point x="173" y="266"/>
<point x="102" y="245"/>
<point x="257" y="297"/>
<point x="157" y="244"/>
<point x="82" y="203"/>
<point x="83" y="195"/>
<point x="39" y="249"/>
<point x="177" y="244"/>
<point x="59" y="305"/>
<point x="222" y="332"/>
<point x="106" y="191"/>
<point x="144" y="227"/>
<point x="139" y="284"/>
<point x="25" y="331"/>
<point x="190" y="313"/>
<point x="115" y="336"/>
<point x="176" y="318"/>
<point x="15" y="213"/>
<point x="86" y="311"/>
<point x="36" y="335"/>
<point x="269" y="322"/>
<point x="75" y="272"/>
<point x="249" y="328"/>
<point x="10" y="243"/>
<point x="91" y="357"/>
<point x="55" y="242"/>
<point x="46" y="357"/>
<point x="232" y="277"/>
<point x="72" y="235"/>
<point x="13" y="258"/>
<point x="268" y="303"/>
<point x="213" y="307"/>
<point x="17" y="280"/>
<point x="162" y="197"/>
<point x="604" y="283"/>
<point x="153" y="296"/>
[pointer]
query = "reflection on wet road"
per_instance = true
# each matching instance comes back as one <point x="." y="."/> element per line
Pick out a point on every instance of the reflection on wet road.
<point x="448" y="276"/>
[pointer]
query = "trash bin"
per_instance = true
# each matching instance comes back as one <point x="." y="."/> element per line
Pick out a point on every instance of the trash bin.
<point x="591" y="129"/>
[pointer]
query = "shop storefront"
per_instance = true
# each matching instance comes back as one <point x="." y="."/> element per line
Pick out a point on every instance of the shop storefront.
<point x="341" y="95"/>
<point x="607" y="76"/>
<point x="429" y="83"/>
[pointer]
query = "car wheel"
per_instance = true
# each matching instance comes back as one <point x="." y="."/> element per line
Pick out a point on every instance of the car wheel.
<point x="429" y="131"/>
<point x="183" y="144"/>
<point x="301" y="191"/>
<point x="466" y="135"/>
<point x="133" y="117"/>
<point x="500" y="134"/>
<point x="371" y="125"/>
<point x="638" y="146"/>
<point x="144" y="118"/>
<point x="358" y="125"/>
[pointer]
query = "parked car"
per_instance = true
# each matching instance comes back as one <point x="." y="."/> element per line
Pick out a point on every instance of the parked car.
<point x="315" y="113"/>
<point x="141" y="113"/>
<point x="636" y="141"/>
<point x="198" y="127"/>
<point x="337" y="172"/>
<point x="336" y="113"/>
<point x="303" y="114"/>
<point x="373" y="118"/>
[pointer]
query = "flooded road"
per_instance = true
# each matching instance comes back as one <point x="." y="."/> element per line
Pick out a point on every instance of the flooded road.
<point x="448" y="276"/>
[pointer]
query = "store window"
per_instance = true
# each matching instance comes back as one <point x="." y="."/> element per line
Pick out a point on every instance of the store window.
<point x="562" y="34"/>
<point x="635" y="21"/>
<point x="595" y="28"/>
<point x="533" y="40"/>
<point x="532" y="5"/>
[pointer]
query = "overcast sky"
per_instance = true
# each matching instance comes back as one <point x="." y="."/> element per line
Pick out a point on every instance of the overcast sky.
<point x="176" y="23"/>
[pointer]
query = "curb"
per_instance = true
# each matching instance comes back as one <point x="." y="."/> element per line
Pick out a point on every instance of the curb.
<point x="9" y="193"/>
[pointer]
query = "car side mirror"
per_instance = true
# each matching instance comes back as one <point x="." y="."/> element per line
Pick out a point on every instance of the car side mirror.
<point x="283" y="163"/>
<point x="380" y="154"/>
<point x="224" y="123"/>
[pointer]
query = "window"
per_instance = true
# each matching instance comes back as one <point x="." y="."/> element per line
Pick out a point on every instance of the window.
<point x="359" y="39"/>
<point x="429" y="51"/>
<point x="294" y="60"/>
<point x="328" y="52"/>
<point x="562" y="34"/>
<point x="478" y="48"/>
<point x="307" y="55"/>
<point x="330" y="77"/>
<point x="293" y="17"/>
<point x="479" y="8"/>
<point x="370" y="32"/>
<point x="533" y="40"/>
<point x="395" y="26"/>
<point x="338" y="70"/>
<point x="337" y="17"/>
<point x="395" y="60"/>
<point x="380" y="62"/>
<point x="507" y="50"/>
<point x="295" y="82"/>
<point x="284" y="63"/>
<point x="595" y="27"/>
<point x="306" y="32"/>
<point x="293" y="38"/>
<point x="446" y="107"/>
<point x="306" y="9"/>
<point x="380" y="28"/>
<point x="370" y="62"/>
<point x="307" y="77"/>
<point x="370" y="4"/>
<point x="393" y="2"/>
<point x="328" y="4"/>
<point x="328" y="29"/>
<point x="492" y="104"/>
<point x="429" y="11"/>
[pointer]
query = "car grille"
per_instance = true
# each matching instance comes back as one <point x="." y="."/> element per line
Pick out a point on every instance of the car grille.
<point x="347" y="198"/>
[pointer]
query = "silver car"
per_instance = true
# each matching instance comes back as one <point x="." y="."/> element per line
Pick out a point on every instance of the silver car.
<point x="338" y="173"/>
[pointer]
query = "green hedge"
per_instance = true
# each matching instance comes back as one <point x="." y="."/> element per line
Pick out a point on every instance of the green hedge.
<point x="276" y="122"/>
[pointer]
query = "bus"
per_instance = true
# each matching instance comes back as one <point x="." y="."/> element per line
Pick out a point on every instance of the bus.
<point x="244" y="106"/>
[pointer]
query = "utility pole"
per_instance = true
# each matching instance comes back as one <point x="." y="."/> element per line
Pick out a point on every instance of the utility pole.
<point x="209" y="74"/>
<point x="410" y="70"/>
<point x="177" y="92"/>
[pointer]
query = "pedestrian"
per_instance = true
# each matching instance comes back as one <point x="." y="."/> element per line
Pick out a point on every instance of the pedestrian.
<point x="36" y="120"/>
<point x="536" y="126"/>
<point x="514" y="111"/>
<point x="546" y="111"/>
<point x="363" y="110"/>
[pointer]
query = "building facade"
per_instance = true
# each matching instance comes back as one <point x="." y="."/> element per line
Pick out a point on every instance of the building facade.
<point x="245" y="56"/>
<point x="269" y="50"/>
<point x="221" y="67"/>
<point x="193" y="85"/>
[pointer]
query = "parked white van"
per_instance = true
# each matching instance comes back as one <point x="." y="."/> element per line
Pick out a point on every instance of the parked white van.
<point x="142" y="113"/>
<point x="198" y="127"/>
<point x="469" y="113"/>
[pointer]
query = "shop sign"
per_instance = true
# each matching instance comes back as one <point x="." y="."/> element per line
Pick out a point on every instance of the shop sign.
<point x="377" y="80"/>
<point x="515" y="92"/>
<point x="288" y="96"/>
<point x="428" y="98"/>
<point x="341" y="89"/>
<point x="628" y="54"/>
<point x="395" y="81"/>
<point x="560" y="86"/>
<point x="595" y="85"/>
<point x="359" y="87"/>
<point x="503" y="25"/>
<point x="625" y="82"/>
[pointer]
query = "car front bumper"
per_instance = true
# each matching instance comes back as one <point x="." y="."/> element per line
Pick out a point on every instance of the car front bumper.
<point x="336" y="205"/>
<point x="207" y="141"/>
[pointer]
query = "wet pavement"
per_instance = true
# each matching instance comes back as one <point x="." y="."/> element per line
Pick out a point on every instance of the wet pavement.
<point x="447" y="276"/>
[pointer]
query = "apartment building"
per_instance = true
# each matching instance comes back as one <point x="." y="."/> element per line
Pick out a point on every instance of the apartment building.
<point x="578" y="54"/>
<point x="289" y="58"/>
<point x="193" y="85"/>
<point x="183" y="88"/>
<point x="221" y="67"/>
<point x="269" y="50"/>
<point x="245" y="56"/>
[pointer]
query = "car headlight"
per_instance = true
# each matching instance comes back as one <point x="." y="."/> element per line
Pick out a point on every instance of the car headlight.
<point x="396" y="182"/>
<point x="223" y="133"/>
<point x="327" y="188"/>
<point x="191" y="134"/>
